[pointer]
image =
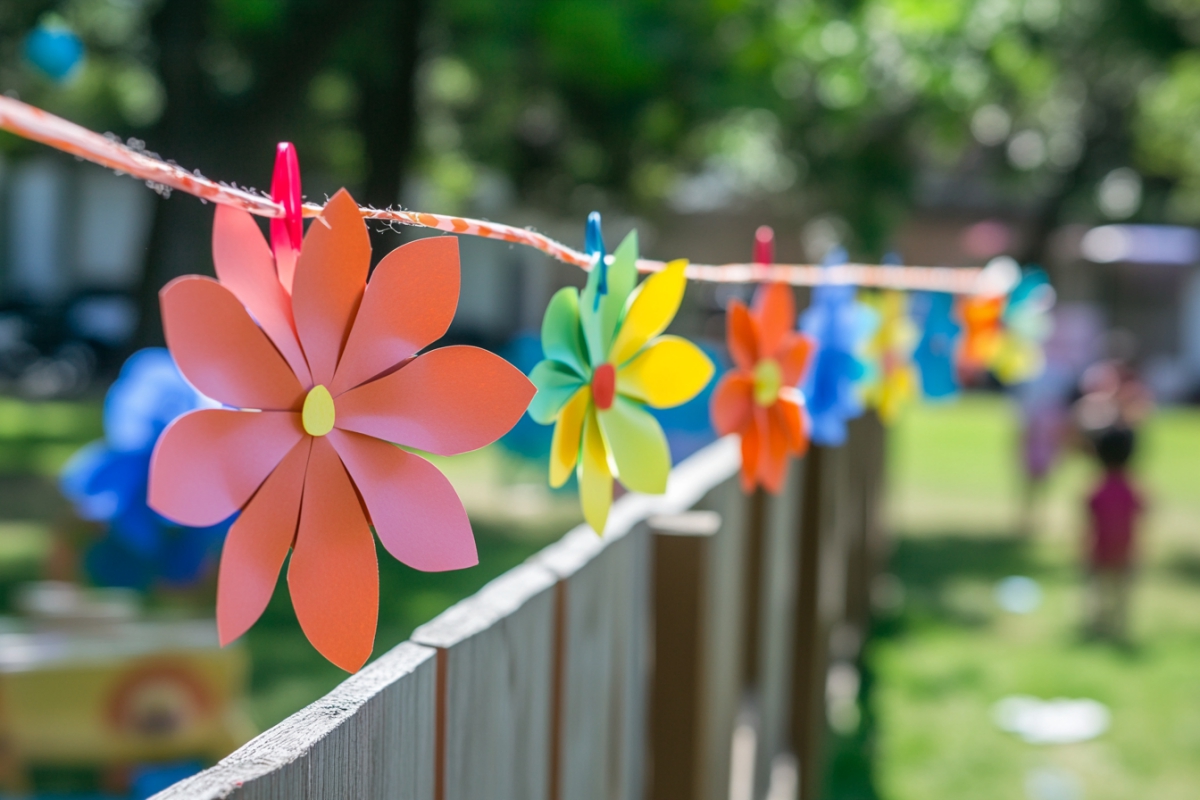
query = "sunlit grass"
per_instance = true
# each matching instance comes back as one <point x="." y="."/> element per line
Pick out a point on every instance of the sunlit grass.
<point x="951" y="653"/>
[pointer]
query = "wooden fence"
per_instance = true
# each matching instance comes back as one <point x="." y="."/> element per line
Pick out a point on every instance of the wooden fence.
<point x="684" y="655"/>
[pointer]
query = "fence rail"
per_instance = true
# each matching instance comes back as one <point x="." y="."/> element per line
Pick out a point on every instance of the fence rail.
<point x="611" y="668"/>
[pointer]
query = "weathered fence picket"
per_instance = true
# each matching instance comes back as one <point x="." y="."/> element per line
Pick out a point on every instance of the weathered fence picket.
<point x="372" y="737"/>
<point x="495" y="666"/>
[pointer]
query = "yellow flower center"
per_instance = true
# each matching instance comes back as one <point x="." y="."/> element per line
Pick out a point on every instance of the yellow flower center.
<point x="318" y="411"/>
<point x="768" y="377"/>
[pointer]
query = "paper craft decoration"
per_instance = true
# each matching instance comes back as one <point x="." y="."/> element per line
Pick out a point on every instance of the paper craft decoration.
<point x="1027" y="326"/>
<point x="606" y="362"/>
<point x="933" y="313"/>
<point x="758" y="398"/>
<point x="839" y="326"/>
<point x="1004" y="334"/>
<point x="320" y="382"/>
<point x="106" y="481"/>
<point x="892" y="383"/>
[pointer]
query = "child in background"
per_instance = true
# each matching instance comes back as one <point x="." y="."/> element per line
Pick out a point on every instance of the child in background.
<point x="1114" y="507"/>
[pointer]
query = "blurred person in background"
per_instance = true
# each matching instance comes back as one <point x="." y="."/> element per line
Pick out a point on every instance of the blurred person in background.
<point x="1114" y="507"/>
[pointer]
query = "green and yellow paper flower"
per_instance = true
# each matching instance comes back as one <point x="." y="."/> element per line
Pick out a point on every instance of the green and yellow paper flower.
<point x="606" y="361"/>
<point x="892" y="383"/>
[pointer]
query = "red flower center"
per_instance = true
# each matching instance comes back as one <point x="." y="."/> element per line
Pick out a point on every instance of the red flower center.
<point x="604" y="386"/>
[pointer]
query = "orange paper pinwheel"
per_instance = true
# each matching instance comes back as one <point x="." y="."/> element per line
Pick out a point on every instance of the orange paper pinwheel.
<point x="321" y="373"/>
<point x="758" y="398"/>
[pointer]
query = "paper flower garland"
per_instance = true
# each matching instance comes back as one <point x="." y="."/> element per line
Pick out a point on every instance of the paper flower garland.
<point x="893" y="379"/>
<point x="106" y="480"/>
<point x="1004" y="334"/>
<point x="1027" y="325"/>
<point x="331" y="376"/>
<point x="758" y="398"/>
<point x="839" y="325"/>
<point x="605" y="363"/>
<point x="933" y="312"/>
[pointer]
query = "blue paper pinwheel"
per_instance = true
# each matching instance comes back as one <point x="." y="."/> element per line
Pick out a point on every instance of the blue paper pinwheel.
<point x="933" y="313"/>
<point x="840" y="326"/>
<point x="106" y="481"/>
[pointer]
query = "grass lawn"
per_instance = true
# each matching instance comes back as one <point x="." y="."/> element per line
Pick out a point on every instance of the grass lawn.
<point x="940" y="662"/>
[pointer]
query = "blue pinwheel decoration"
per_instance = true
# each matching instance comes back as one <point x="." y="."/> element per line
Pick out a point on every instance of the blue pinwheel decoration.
<point x="840" y="326"/>
<point x="933" y="313"/>
<point x="106" y="481"/>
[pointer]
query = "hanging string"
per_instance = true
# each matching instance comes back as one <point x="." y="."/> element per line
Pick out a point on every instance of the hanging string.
<point x="37" y="125"/>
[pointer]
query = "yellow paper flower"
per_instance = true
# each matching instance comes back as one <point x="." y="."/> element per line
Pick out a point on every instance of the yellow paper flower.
<point x="893" y="382"/>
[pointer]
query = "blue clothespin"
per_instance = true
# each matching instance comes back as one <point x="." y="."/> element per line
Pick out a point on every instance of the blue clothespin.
<point x="593" y="245"/>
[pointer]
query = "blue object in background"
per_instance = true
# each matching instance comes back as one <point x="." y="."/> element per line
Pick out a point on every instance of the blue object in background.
<point x="54" y="50"/>
<point x="107" y="480"/>
<point x="150" y="779"/>
<point x="839" y="325"/>
<point x="933" y="314"/>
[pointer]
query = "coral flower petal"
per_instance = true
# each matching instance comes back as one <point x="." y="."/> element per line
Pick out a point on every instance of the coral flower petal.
<point x="743" y="336"/>
<point x="246" y="267"/>
<point x="257" y="544"/>
<point x="416" y="512"/>
<point x="732" y="402"/>
<point x="334" y="576"/>
<point x="446" y="401"/>
<point x="791" y="414"/>
<point x="773" y="449"/>
<point x="408" y="305"/>
<point x="750" y="448"/>
<point x="208" y="463"/>
<point x="331" y="275"/>
<point x="794" y="353"/>
<point x="775" y="308"/>
<point x="595" y="479"/>
<point x="221" y="351"/>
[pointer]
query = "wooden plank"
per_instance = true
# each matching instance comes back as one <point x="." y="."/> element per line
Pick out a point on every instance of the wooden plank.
<point x="811" y="636"/>
<point x="604" y="595"/>
<point x="697" y="684"/>
<point x="776" y="604"/>
<point x="372" y="737"/>
<point x="497" y="650"/>
<point x="678" y="727"/>
<point x="605" y="667"/>
<point x="724" y="643"/>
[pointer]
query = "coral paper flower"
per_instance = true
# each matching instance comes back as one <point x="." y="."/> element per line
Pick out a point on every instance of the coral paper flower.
<point x="321" y="381"/>
<point x="605" y="363"/>
<point x="758" y="398"/>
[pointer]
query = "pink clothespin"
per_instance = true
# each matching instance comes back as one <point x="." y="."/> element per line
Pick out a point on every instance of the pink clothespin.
<point x="764" y="246"/>
<point x="287" y="232"/>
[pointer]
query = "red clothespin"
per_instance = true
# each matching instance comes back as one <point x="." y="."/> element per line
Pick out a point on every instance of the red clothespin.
<point x="764" y="245"/>
<point x="287" y="232"/>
